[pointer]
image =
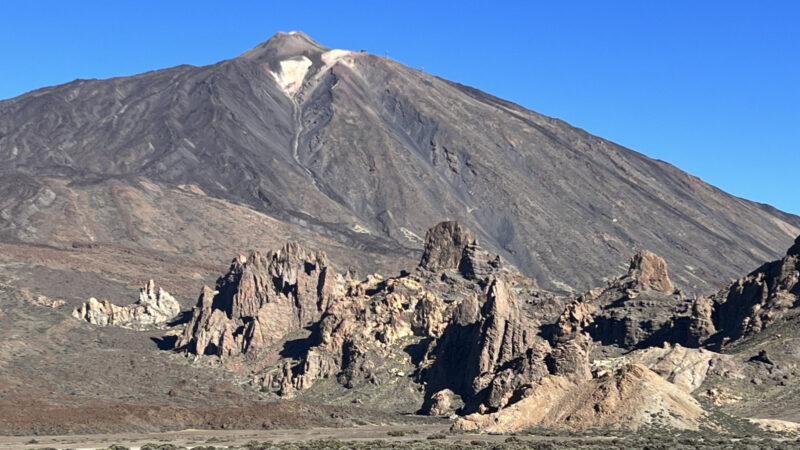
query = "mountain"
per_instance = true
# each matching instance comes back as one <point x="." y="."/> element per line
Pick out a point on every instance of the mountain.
<point x="355" y="154"/>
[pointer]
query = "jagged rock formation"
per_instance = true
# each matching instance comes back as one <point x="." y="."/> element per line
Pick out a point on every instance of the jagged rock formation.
<point x="451" y="246"/>
<point x="750" y="304"/>
<point x="571" y="342"/>
<point x="462" y="334"/>
<point x="360" y="325"/>
<point x="259" y="300"/>
<point x="488" y="350"/>
<point x="154" y="307"/>
<point x="642" y="308"/>
<point x="444" y="246"/>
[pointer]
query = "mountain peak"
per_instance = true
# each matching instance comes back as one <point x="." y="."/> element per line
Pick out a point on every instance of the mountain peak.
<point x="285" y="45"/>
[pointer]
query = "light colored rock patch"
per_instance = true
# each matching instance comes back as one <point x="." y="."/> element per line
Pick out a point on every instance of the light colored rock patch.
<point x="332" y="57"/>
<point x="359" y="229"/>
<point x="155" y="307"/>
<point x="193" y="188"/>
<point x="775" y="425"/>
<point x="410" y="235"/>
<point x="684" y="367"/>
<point x="293" y="72"/>
<point x="632" y="397"/>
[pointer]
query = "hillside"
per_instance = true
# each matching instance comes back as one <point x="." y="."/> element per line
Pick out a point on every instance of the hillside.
<point x="358" y="155"/>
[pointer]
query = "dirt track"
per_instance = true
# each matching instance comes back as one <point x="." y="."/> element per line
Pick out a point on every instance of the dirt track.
<point x="224" y="437"/>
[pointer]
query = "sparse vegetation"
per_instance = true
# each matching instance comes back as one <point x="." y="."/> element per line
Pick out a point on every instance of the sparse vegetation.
<point x="640" y="441"/>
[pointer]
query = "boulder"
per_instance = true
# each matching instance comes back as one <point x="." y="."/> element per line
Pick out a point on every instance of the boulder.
<point x="649" y="272"/>
<point x="441" y="403"/>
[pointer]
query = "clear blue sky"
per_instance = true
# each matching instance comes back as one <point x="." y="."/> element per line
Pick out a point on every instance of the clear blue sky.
<point x="710" y="86"/>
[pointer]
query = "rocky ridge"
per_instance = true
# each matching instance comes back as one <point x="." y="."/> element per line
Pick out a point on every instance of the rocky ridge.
<point x="487" y="347"/>
<point x="155" y="307"/>
<point x="758" y="300"/>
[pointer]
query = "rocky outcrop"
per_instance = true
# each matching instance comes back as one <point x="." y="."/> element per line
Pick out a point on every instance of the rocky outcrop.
<point x="571" y="343"/>
<point x="649" y="273"/>
<point x="396" y="312"/>
<point x="259" y="300"/>
<point x="478" y="264"/>
<point x="450" y="246"/>
<point x="444" y="246"/>
<point x="631" y="397"/>
<point x="752" y="303"/>
<point x="701" y="322"/>
<point x="155" y="307"/>
<point x="487" y="351"/>
<point x="452" y="337"/>
<point x="642" y="309"/>
<point x="684" y="367"/>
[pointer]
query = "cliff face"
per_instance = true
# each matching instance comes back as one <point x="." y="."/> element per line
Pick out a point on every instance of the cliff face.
<point x="362" y="155"/>
<point x="758" y="300"/>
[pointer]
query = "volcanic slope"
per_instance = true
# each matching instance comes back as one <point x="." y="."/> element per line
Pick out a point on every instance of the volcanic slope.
<point x="358" y="155"/>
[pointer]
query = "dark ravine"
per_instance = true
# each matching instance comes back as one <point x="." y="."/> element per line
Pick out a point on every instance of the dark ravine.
<point x="361" y="155"/>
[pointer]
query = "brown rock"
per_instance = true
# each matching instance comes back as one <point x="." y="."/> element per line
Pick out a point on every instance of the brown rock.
<point x="701" y="323"/>
<point x="261" y="298"/>
<point x="488" y="350"/>
<point x="571" y="343"/>
<point x="287" y="387"/>
<point x="641" y="308"/>
<point x="478" y="264"/>
<point x="444" y="246"/>
<point x="650" y="272"/>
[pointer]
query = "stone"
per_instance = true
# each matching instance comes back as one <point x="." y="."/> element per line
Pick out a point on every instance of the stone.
<point x="441" y="403"/>
<point x="571" y="343"/>
<point x="444" y="246"/>
<point x="155" y="307"/>
<point x="631" y="397"/>
<point x="684" y="367"/>
<point x="477" y="264"/>
<point x="487" y="350"/>
<point x="650" y="273"/>
<point x="259" y="300"/>
<point x="758" y="300"/>
<point x="642" y="309"/>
